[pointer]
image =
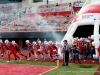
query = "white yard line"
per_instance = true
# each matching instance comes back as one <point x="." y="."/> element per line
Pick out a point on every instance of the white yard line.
<point x="48" y="70"/>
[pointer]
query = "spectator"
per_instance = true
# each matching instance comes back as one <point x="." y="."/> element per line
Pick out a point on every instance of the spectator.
<point x="89" y="51"/>
<point x="70" y="4"/>
<point x="57" y="4"/>
<point x="65" y="22"/>
<point x="15" y="24"/>
<point x="75" y="52"/>
<point x="54" y="13"/>
<point x="47" y="6"/>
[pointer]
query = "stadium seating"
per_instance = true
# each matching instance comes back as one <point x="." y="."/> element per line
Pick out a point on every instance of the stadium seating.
<point x="35" y="20"/>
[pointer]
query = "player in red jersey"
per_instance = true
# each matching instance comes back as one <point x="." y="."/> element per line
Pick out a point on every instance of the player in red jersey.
<point x="80" y="51"/>
<point x="3" y="48"/>
<point x="46" y="51"/>
<point x="11" y="50"/>
<point x="39" y="49"/>
<point x="99" y="53"/>
<point x="17" y="48"/>
<point x="76" y="41"/>
<point x="54" y="52"/>
<point x="30" y="49"/>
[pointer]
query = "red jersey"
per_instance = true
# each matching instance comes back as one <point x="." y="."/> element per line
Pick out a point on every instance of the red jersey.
<point x="16" y="46"/>
<point x="42" y="46"/>
<point x="99" y="51"/>
<point x="10" y="46"/>
<point x="47" y="48"/>
<point x="81" y="43"/>
<point x="91" y="40"/>
<point x="37" y="46"/>
<point x="54" y="49"/>
<point x="1" y="45"/>
<point x="76" y="42"/>
<point x="30" y="46"/>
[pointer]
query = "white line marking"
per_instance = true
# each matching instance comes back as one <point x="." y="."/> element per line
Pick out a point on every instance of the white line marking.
<point x="48" y="70"/>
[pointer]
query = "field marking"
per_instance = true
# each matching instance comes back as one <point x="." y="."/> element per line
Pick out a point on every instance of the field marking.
<point x="48" y="70"/>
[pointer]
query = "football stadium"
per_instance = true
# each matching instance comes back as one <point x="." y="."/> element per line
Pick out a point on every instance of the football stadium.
<point x="50" y="37"/>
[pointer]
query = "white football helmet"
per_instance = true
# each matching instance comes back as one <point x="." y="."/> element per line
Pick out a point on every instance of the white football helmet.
<point x="0" y="40"/>
<point x="89" y="37"/>
<point x="39" y="42"/>
<point x="27" y="41"/>
<point x="81" y="39"/>
<point x="75" y="38"/>
<point x="34" y="42"/>
<point x="13" y="42"/>
<point x="6" y="41"/>
<point x="45" y="42"/>
<point x="50" y="42"/>
<point x="88" y="41"/>
<point x="57" y="43"/>
<point x="78" y="39"/>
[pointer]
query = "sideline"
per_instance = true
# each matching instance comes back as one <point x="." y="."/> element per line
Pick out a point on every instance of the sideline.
<point x="48" y="71"/>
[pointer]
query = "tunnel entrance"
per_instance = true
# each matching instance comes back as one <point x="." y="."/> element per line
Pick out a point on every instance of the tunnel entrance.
<point x="84" y="31"/>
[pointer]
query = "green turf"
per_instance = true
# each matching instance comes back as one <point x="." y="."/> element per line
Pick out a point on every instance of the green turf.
<point x="72" y="69"/>
<point x="29" y="62"/>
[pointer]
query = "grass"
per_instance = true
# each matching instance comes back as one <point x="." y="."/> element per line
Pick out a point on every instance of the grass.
<point x="30" y="62"/>
<point x="72" y="69"/>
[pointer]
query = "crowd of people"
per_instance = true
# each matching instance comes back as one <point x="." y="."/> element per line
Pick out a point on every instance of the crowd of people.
<point x="79" y="48"/>
<point x="14" y="18"/>
<point x="34" y="48"/>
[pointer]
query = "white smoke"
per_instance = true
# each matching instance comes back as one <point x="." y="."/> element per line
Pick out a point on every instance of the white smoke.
<point x="37" y="22"/>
